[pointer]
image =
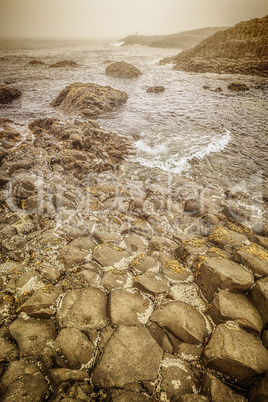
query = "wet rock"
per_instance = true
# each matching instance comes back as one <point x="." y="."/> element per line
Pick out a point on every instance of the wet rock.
<point x="32" y="335"/>
<point x="84" y="309"/>
<point x="8" y="350"/>
<point x="64" y="63"/>
<point x="126" y="396"/>
<point x="122" y="69"/>
<point x="156" y="89"/>
<point x="23" y="381"/>
<point x="142" y="263"/>
<point x="88" y="276"/>
<point x="216" y="273"/>
<point x="238" y="86"/>
<point x="152" y="283"/>
<point x="42" y="303"/>
<point x="108" y="255"/>
<point x="195" y="207"/>
<point x="190" y="352"/>
<point x="235" y="307"/>
<point x="177" y="377"/>
<point x="174" y="270"/>
<point x="259" y="297"/>
<point x="260" y="391"/>
<point x="36" y="63"/>
<point x="215" y="390"/>
<point x="129" y="308"/>
<point x="182" y="320"/>
<point x="61" y="375"/>
<point x="261" y="240"/>
<point x="72" y="256"/>
<point x="114" y="279"/>
<point x="74" y="346"/>
<point x="193" y="398"/>
<point x="103" y="236"/>
<point x="88" y="100"/>
<point x="7" y="94"/>
<point x="126" y="359"/>
<point x="253" y="257"/>
<point x="232" y="344"/>
<point x="228" y="239"/>
<point x="162" y="244"/>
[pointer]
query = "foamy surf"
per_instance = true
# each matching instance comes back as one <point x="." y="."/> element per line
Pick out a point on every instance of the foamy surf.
<point x="162" y="157"/>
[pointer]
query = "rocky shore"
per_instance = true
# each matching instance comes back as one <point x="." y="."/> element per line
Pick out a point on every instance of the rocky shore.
<point x="241" y="49"/>
<point x="114" y="289"/>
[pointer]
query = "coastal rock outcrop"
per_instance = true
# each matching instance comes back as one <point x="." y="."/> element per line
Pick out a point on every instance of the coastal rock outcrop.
<point x="8" y="94"/>
<point x="88" y="100"/>
<point x="241" y="49"/>
<point x="121" y="69"/>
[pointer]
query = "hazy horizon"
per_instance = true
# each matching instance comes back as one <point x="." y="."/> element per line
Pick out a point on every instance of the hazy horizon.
<point x="115" y="19"/>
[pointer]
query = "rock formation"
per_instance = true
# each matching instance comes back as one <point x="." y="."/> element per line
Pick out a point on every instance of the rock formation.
<point x="241" y="49"/>
<point x="36" y="63"/>
<point x="156" y="89"/>
<point x="88" y="100"/>
<point x="121" y="69"/>
<point x="102" y="296"/>
<point x="182" y="40"/>
<point x="7" y="94"/>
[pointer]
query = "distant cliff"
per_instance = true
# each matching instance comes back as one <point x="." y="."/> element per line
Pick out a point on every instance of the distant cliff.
<point x="241" y="49"/>
<point x="182" y="40"/>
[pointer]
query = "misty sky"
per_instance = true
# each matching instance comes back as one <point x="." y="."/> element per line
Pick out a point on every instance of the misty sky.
<point x="118" y="18"/>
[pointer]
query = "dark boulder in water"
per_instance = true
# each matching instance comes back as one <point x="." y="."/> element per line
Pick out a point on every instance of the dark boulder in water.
<point x="64" y="63"/>
<point x="7" y="94"/>
<point x="88" y="100"/>
<point x="238" y="87"/>
<point x="156" y="89"/>
<point x="36" y="63"/>
<point x="121" y="69"/>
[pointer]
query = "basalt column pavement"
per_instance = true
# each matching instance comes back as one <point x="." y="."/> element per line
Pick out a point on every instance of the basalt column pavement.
<point x="114" y="289"/>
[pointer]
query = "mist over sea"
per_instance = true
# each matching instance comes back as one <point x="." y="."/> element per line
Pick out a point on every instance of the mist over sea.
<point x="187" y="130"/>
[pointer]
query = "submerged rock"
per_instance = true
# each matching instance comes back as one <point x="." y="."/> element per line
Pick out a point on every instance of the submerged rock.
<point x="7" y="94"/>
<point x="36" y="63"/>
<point x="88" y="100"/>
<point x="64" y="63"/>
<point x="156" y="89"/>
<point x="121" y="69"/>
<point x="238" y="86"/>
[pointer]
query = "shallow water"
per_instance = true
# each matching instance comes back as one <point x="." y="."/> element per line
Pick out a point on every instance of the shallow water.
<point x="210" y="136"/>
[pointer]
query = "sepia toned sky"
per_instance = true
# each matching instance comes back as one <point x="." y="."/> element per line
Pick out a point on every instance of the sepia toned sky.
<point x="75" y="19"/>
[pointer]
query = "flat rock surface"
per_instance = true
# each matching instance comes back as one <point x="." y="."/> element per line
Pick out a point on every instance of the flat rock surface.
<point x="74" y="345"/>
<point x="219" y="273"/>
<point x="232" y="344"/>
<point x="126" y="359"/>
<point x="182" y="320"/>
<point x="83" y="309"/>
<point x="110" y="256"/>
<point x="253" y="257"/>
<point x="152" y="283"/>
<point x="88" y="100"/>
<point x="129" y="307"/>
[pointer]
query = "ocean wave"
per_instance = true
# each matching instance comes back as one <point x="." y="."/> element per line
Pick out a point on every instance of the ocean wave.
<point x="157" y="156"/>
<point x="117" y="44"/>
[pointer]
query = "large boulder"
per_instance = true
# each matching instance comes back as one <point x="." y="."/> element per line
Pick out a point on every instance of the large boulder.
<point x="238" y="86"/>
<point x="236" y="354"/>
<point x="88" y="100"/>
<point x="121" y="69"/>
<point x="7" y="94"/>
<point x="259" y="296"/>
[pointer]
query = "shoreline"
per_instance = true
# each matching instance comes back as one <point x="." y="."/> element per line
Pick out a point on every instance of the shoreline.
<point x="97" y="269"/>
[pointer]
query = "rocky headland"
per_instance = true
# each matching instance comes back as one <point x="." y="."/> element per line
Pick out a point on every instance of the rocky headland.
<point x="241" y="49"/>
<point x="183" y="40"/>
